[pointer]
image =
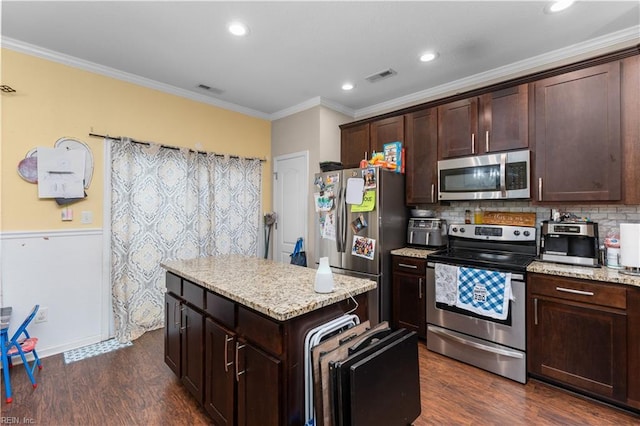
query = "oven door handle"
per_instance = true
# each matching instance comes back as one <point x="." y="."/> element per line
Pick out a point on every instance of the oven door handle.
<point x="452" y="336"/>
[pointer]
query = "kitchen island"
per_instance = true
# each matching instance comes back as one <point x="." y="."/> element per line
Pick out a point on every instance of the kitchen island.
<point x="235" y="329"/>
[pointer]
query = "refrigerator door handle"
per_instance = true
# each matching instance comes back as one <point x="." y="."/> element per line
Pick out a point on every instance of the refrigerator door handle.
<point x="344" y="220"/>
<point x="338" y="207"/>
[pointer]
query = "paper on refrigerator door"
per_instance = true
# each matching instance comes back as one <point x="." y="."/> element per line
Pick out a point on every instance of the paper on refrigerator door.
<point x="368" y="203"/>
<point x="355" y="190"/>
<point x="328" y="226"/>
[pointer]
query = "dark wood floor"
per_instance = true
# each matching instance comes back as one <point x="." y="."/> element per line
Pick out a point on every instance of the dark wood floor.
<point x="132" y="386"/>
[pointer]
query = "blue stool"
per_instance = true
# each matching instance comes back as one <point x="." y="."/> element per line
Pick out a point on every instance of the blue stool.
<point x="20" y="344"/>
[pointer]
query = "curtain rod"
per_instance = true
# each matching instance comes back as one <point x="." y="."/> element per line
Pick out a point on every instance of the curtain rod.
<point x="119" y="138"/>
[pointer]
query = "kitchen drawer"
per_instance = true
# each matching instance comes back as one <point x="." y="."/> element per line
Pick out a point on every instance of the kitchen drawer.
<point x="221" y="309"/>
<point x="193" y="294"/>
<point x="260" y="330"/>
<point x="576" y="290"/>
<point x="174" y="284"/>
<point x="410" y="265"/>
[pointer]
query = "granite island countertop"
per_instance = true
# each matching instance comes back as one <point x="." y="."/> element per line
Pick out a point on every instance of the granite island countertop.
<point x="584" y="272"/>
<point x="279" y="290"/>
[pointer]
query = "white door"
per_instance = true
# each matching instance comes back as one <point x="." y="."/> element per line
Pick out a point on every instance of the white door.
<point x="290" y="201"/>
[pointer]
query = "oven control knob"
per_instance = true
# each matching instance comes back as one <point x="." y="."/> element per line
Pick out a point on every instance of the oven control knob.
<point x="527" y="233"/>
<point x="462" y="230"/>
<point x="454" y="229"/>
<point x="516" y="232"/>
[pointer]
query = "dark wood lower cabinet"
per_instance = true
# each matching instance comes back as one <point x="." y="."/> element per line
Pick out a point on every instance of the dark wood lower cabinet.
<point x="172" y="332"/>
<point x="243" y="367"/>
<point x="578" y="335"/>
<point x="258" y="386"/>
<point x="192" y="351"/>
<point x="409" y="290"/>
<point x="219" y="369"/>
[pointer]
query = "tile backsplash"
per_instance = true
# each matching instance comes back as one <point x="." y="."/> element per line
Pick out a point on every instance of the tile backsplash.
<point x="607" y="216"/>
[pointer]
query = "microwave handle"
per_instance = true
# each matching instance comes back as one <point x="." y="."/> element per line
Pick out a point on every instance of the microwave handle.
<point x="503" y="178"/>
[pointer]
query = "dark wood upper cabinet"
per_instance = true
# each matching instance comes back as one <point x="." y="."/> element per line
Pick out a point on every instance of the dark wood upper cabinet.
<point x="458" y="128"/>
<point x="359" y="141"/>
<point x="577" y="135"/>
<point x="493" y="122"/>
<point x="630" y="81"/>
<point x="421" y="157"/>
<point x="354" y="145"/>
<point x="386" y="130"/>
<point x="504" y="120"/>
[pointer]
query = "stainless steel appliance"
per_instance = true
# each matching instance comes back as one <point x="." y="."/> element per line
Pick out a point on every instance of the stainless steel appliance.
<point x="492" y="176"/>
<point x="575" y="243"/>
<point x="427" y="232"/>
<point x="358" y="238"/>
<point x="492" y="344"/>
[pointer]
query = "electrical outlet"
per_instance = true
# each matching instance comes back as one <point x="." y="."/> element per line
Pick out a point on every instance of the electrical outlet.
<point x="42" y="315"/>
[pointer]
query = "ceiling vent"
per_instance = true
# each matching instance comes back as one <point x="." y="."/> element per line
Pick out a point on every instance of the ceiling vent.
<point x="213" y="90"/>
<point x="373" y="78"/>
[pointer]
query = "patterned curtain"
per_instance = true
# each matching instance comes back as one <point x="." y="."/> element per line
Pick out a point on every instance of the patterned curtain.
<point x="173" y="204"/>
<point x="238" y="183"/>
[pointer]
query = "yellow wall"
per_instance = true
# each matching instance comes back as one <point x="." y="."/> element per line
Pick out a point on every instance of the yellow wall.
<point x="55" y="100"/>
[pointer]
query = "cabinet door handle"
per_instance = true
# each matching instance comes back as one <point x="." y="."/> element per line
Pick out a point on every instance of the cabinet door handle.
<point x="535" y="311"/>
<point x="238" y="372"/>
<point x="433" y="192"/>
<point x="473" y="143"/>
<point x="486" y="141"/>
<point x="420" y="288"/>
<point x="184" y="327"/>
<point x="227" y="364"/>
<point x="539" y="189"/>
<point x="404" y="265"/>
<point x="176" y="320"/>
<point x="572" y="291"/>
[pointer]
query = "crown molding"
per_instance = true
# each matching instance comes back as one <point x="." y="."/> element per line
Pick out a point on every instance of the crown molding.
<point x="609" y="42"/>
<point x="310" y="103"/>
<point x="600" y="45"/>
<point x="30" y="49"/>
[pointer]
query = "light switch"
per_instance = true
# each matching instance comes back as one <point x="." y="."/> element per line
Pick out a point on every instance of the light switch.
<point x="86" y="217"/>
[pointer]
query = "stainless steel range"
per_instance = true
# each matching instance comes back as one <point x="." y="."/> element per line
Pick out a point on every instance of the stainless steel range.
<point x="476" y="305"/>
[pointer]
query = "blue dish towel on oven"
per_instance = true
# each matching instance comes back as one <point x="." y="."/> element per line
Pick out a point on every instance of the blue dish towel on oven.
<point x="484" y="292"/>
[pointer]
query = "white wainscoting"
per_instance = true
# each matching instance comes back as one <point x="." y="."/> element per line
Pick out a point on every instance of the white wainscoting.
<point x="60" y="270"/>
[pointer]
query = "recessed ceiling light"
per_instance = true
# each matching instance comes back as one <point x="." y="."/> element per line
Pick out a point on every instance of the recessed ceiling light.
<point x="428" y="56"/>
<point x="348" y="86"/>
<point x="238" y="29"/>
<point x="558" y="6"/>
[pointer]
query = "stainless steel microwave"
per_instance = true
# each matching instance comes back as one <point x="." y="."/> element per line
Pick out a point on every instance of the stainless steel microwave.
<point x="504" y="175"/>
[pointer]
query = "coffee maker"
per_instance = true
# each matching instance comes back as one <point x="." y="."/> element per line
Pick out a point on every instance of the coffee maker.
<point x="574" y="243"/>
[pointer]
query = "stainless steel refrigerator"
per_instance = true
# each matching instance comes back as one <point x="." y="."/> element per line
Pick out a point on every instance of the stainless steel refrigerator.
<point x="361" y="216"/>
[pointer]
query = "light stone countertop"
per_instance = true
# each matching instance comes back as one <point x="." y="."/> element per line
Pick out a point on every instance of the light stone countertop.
<point x="279" y="290"/>
<point x="420" y="253"/>
<point x="583" y="272"/>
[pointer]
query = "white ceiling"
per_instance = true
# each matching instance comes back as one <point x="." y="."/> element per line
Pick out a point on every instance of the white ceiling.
<point x="299" y="53"/>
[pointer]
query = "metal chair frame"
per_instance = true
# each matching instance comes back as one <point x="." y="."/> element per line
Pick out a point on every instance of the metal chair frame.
<point x="23" y="344"/>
